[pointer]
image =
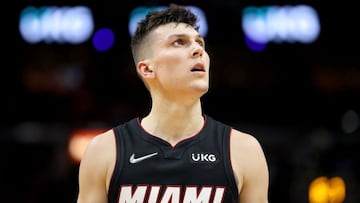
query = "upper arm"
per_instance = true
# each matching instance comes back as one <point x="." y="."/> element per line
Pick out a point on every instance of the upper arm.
<point x="94" y="169"/>
<point x="250" y="167"/>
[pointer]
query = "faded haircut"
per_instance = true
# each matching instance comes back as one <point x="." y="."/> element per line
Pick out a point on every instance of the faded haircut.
<point x="172" y="14"/>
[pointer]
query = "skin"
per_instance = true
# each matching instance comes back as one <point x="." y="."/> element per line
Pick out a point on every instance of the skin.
<point x="176" y="114"/>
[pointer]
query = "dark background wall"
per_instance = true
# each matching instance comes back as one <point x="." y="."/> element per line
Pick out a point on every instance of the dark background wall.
<point x="293" y="97"/>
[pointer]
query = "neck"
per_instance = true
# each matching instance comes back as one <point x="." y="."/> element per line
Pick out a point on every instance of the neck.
<point x="174" y="123"/>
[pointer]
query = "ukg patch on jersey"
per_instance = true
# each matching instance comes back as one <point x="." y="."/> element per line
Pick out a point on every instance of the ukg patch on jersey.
<point x="203" y="157"/>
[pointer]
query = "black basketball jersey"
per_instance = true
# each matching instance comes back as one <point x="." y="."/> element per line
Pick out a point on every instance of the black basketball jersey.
<point x="149" y="169"/>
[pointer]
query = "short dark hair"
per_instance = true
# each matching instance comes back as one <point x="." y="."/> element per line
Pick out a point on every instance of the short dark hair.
<point x="172" y="14"/>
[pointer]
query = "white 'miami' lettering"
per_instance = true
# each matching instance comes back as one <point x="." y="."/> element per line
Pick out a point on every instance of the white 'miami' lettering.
<point x="171" y="194"/>
<point x="154" y="193"/>
<point x="219" y="194"/>
<point x="191" y="195"/>
<point x="127" y="196"/>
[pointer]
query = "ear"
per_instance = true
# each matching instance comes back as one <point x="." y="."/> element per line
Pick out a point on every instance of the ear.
<point x="145" y="70"/>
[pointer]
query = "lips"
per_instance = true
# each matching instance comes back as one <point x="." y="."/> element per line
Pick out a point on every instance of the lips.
<point x="198" y="67"/>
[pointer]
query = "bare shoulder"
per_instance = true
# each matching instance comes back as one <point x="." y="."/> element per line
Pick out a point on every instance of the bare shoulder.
<point x="102" y="139"/>
<point x="96" y="167"/>
<point x="249" y="164"/>
<point x="244" y="141"/>
<point x="99" y="156"/>
<point x="101" y="144"/>
<point x="245" y="148"/>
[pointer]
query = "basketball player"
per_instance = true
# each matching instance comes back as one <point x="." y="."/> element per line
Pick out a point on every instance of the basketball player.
<point x="176" y="153"/>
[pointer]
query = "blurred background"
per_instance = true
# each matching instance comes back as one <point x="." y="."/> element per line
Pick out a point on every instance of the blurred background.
<point x="287" y="72"/>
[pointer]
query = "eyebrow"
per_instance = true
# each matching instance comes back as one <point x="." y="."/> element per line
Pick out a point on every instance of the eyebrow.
<point x="185" y="35"/>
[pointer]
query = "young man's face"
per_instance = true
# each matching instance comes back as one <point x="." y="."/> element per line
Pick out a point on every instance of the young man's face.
<point x="179" y="59"/>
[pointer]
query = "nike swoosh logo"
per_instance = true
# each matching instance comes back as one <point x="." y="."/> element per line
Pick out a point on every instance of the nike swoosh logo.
<point x="134" y="160"/>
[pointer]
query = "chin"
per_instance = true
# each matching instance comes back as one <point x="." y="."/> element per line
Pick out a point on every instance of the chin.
<point x="203" y="89"/>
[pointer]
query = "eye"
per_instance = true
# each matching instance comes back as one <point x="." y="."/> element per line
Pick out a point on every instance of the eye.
<point x="201" y="43"/>
<point x="179" y="42"/>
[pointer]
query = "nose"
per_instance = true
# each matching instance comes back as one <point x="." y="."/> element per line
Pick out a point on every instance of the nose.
<point x="198" y="50"/>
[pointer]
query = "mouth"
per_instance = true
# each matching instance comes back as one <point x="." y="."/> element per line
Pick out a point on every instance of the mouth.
<point x="198" y="67"/>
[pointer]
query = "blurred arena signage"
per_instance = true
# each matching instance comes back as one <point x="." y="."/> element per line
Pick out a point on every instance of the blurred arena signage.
<point x="51" y="24"/>
<point x="298" y="23"/>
